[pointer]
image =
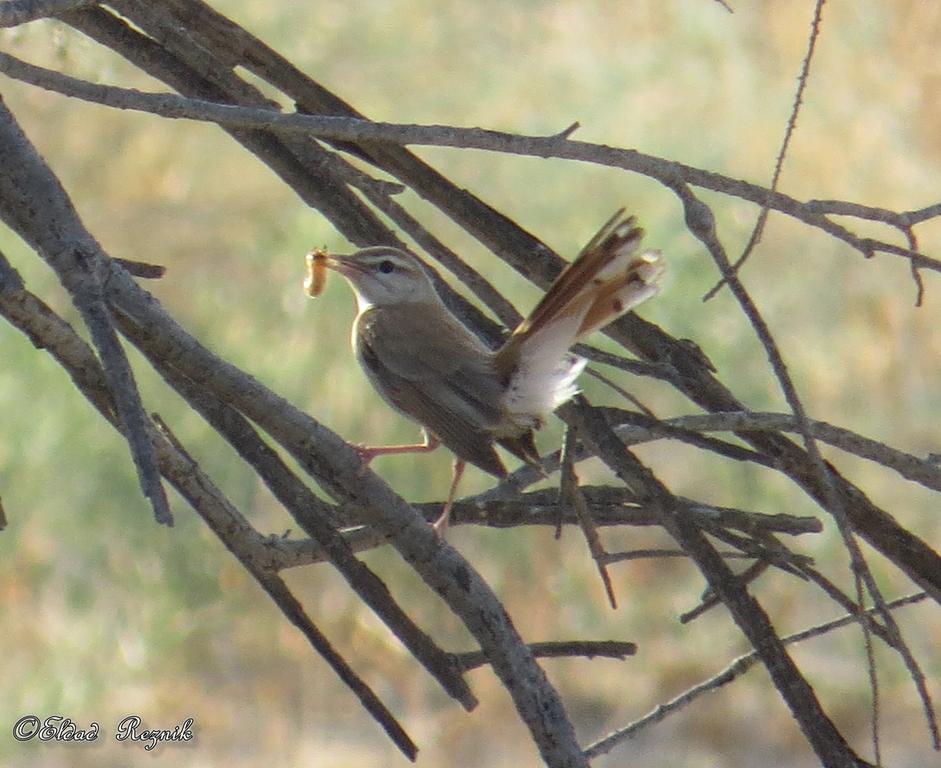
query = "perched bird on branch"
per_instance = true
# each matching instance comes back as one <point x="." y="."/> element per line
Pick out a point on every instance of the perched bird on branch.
<point x="427" y="365"/>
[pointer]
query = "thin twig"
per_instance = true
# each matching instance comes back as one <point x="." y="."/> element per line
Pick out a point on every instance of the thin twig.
<point x="782" y="152"/>
<point x="656" y="554"/>
<point x="142" y="269"/>
<point x="569" y="489"/>
<point x="634" y="429"/>
<point x="711" y="599"/>
<point x="923" y="471"/>
<point x="701" y="223"/>
<point x="621" y="391"/>
<point x="357" y="130"/>
<point x="733" y="671"/>
<point x="606" y="649"/>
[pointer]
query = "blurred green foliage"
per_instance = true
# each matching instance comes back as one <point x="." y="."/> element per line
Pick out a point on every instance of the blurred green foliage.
<point x="106" y="613"/>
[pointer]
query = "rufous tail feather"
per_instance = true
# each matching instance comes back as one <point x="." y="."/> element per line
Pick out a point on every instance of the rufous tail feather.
<point x="605" y="281"/>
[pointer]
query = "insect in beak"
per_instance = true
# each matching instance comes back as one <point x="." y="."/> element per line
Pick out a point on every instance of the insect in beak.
<point x="318" y="262"/>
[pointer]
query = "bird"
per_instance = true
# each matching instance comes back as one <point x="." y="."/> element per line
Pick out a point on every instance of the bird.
<point x="426" y="364"/>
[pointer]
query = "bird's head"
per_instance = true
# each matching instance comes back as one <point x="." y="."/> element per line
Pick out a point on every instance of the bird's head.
<point x="383" y="276"/>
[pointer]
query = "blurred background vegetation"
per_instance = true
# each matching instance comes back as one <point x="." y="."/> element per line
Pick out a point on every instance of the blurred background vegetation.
<point x="105" y="613"/>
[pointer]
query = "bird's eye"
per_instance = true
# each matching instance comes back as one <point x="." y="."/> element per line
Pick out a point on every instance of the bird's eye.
<point x="386" y="266"/>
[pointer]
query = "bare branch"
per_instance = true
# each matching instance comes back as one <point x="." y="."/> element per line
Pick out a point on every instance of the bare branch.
<point x="606" y="649"/>
<point x="315" y="517"/>
<point x="607" y="507"/>
<point x="657" y="554"/>
<point x="926" y="472"/>
<point x="759" y="228"/>
<point x="751" y="618"/>
<point x="610" y="506"/>
<point x="142" y="269"/>
<point x="34" y="204"/>
<point x="700" y="221"/>
<point x="336" y="466"/>
<point x="199" y="52"/>
<point x="634" y="429"/>
<point x="357" y="130"/>
<point x="48" y="331"/>
<point x="710" y="599"/>
<point x="568" y="488"/>
<point x="872" y="213"/>
<point x="732" y="672"/>
<point x="16" y="12"/>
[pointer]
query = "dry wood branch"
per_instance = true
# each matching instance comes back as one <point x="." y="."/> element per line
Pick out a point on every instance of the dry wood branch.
<point x="607" y="506"/>
<point x="522" y="250"/>
<point x="16" y="12"/>
<point x="828" y="743"/>
<point x="34" y="204"/>
<point x="355" y="130"/>
<point x="759" y="228"/>
<point x="591" y="649"/>
<point x="444" y="570"/>
<point x="336" y="467"/>
<point x="925" y="471"/>
<point x="314" y="516"/>
<point x="142" y="269"/>
<point x="657" y="554"/>
<point x="304" y="166"/>
<point x="610" y="506"/>
<point x="711" y="599"/>
<point x="634" y="429"/>
<point x="48" y="331"/>
<point x="569" y="489"/>
<point x="196" y="50"/>
<point x="701" y="223"/>
<point x="732" y="672"/>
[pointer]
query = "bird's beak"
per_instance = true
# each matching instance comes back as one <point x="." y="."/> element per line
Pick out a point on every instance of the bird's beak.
<point x="346" y="264"/>
<point x="339" y="262"/>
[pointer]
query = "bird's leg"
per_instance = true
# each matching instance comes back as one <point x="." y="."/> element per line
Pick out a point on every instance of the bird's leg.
<point x="441" y="524"/>
<point x="368" y="452"/>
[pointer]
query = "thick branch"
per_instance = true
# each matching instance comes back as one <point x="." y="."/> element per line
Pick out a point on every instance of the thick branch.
<point x="751" y="618"/>
<point x="48" y="331"/>
<point x="34" y="204"/>
<point x="313" y="515"/>
<point x="16" y="12"/>
<point x="336" y="466"/>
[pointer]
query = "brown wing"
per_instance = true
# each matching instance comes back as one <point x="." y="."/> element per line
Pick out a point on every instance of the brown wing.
<point x="523" y="447"/>
<point x="442" y="377"/>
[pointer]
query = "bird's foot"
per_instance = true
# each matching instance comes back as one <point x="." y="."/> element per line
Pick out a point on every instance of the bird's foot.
<point x="367" y="453"/>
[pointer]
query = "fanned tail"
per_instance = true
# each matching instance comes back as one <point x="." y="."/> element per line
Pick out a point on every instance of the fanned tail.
<point x="606" y="280"/>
